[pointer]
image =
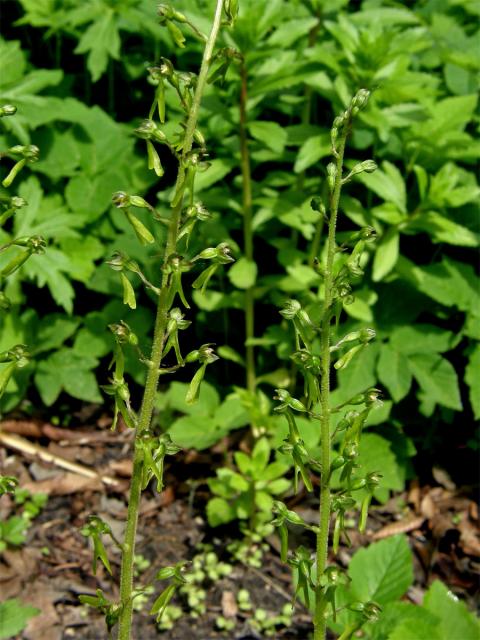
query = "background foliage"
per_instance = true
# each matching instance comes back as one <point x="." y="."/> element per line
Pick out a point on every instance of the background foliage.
<point x="78" y="77"/>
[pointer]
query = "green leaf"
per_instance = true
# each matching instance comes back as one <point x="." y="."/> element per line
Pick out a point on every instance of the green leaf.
<point x="394" y="372"/>
<point x="260" y="456"/>
<point x="386" y="255"/>
<point x="387" y="183"/>
<point x="358" y="376"/>
<point x="54" y="331"/>
<point x="452" y="283"/>
<point x="376" y="455"/>
<point x="13" y="530"/>
<point x="402" y="616"/>
<point x="243" y="273"/>
<point x="14" y="617"/>
<point x="218" y="169"/>
<point x="311" y="151"/>
<point x="219" y="512"/>
<point x="271" y="134"/>
<point x="196" y="432"/>
<point x="382" y="572"/>
<point x="437" y="378"/>
<point x="443" y="229"/>
<point x="421" y="338"/>
<point x="455" y="620"/>
<point x="472" y="378"/>
<point x="101" y="41"/>
<point x="68" y="370"/>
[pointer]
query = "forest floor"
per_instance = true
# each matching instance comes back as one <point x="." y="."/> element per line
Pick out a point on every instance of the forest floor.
<point x="54" y="565"/>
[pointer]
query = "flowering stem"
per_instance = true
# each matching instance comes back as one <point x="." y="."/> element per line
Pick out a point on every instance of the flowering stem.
<point x="126" y="581"/>
<point x="325" y="507"/>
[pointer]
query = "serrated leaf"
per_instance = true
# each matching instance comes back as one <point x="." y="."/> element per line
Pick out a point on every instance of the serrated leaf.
<point x="101" y="41"/>
<point x="14" y="617"/>
<point x="243" y="273"/>
<point x="472" y="378"/>
<point x="67" y="370"/>
<point x="382" y="572"/>
<point x="394" y="372"/>
<point x="455" y="620"/>
<point x="437" y="378"/>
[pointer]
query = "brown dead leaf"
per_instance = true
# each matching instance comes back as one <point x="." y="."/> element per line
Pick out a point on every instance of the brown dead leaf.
<point x="64" y="484"/>
<point x="469" y="537"/>
<point x="22" y="427"/>
<point x="123" y="467"/>
<point x="229" y="604"/>
<point x="402" y="526"/>
<point x="413" y="497"/>
<point x="427" y="506"/>
<point x="22" y="561"/>
<point x="47" y="624"/>
<point x="443" y="478"/>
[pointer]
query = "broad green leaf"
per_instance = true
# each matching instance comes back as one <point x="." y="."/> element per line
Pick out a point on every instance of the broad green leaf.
<point x="260" y="456"/>
<point x="70" y="371"/>
<point x="243" y="273"/>
<point x="174" y="398"/>
<point x="231" y="414"/>
<point x="311" y="151"/>
<point x="286" y="34"/>
<point x="394" y="372"/>
<point x="358" y="376"/>
<point x="456" y="621"/>
<point x="382" y="572"/>
<point x="219" y="512"/>
<point x="14" y="616"/>
<point x="452" y="283"/>
<point x="270" y="133"/>
<point x="421" y="338"/>
<point x="399" y="620"/>
<point x="437" y="378"/>
<point x="218" y="169"/>
<point x="443" y="229"/>
<point x="196" y="432"/>
<point x="472" y="378"/>
<point x="388" y="183"/>
<point x="386" y="254"/>
<point x="376" y="455"/>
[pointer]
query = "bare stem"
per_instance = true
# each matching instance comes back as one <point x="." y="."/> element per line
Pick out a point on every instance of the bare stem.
<point x="126" y="581"/>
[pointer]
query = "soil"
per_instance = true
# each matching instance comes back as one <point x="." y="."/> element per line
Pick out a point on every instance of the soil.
<point x="54" y="565"/>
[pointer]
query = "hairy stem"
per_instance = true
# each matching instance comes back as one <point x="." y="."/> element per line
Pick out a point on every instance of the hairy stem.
<point x="247" y="228"/>
<point x="324" y="515"/>
<point x="126" y="581"/>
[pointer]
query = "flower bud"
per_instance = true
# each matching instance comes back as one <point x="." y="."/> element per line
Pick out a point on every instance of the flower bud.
<point x="148" y="130"/>
<point x="360" y="99"/>
<point x="16" y="202"/>
<point x="8" y="110"/>
<point x="290" y="309"/>
<point x="29" y="151"/>
<point x="331" y="175"/>
<point x="317" y="205"/>
<point x="121" y="199"/>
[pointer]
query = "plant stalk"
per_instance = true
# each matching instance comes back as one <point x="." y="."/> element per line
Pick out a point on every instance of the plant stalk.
<point x="325" y="509"/>
<point x="126" y="580"/>
<point x="247" y="230"/>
